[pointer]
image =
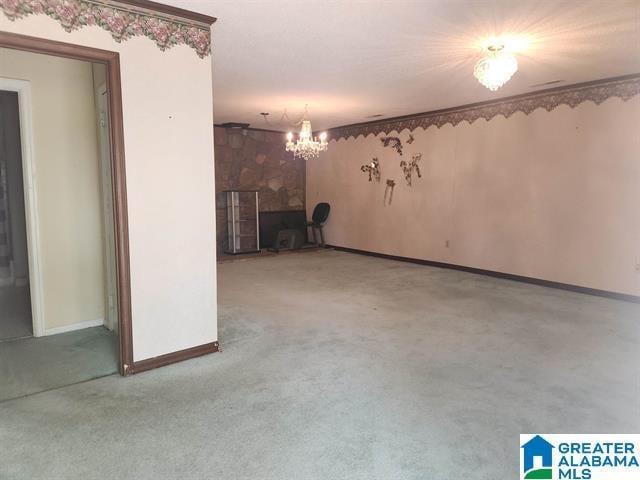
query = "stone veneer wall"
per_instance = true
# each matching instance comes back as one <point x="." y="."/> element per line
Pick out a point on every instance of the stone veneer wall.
<point x="256" y="160"/>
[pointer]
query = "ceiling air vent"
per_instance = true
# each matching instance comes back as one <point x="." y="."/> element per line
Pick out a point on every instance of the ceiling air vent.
<point x="546" y="84"/>
<point x="235" y="125"/>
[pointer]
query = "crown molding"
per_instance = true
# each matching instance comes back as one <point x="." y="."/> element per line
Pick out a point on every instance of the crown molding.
<point x="251" y="129"/>
<point x="167" y="26"/>
<point x="597" y="91"/>
<point x="169" y="10"/>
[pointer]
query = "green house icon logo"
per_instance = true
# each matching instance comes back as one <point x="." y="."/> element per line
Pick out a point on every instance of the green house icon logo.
<point x="538" y="447"/>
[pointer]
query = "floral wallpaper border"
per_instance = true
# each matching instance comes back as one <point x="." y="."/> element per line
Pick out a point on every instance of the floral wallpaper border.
<point x="121" y="20"/>
<point x="572" y="96"/>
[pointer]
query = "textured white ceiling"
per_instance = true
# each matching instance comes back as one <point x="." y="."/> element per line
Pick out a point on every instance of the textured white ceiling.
<point x="349" y="59"/>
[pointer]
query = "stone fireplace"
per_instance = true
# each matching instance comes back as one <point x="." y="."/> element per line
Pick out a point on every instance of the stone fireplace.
<point x="250" y="159"/>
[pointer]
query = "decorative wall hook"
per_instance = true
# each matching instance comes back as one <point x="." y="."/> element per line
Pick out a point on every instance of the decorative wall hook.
<point x="393" y="142"/>
<point x="409" y="167"/>
<point x="388" y="191"/>
<point x="373" y="169"/>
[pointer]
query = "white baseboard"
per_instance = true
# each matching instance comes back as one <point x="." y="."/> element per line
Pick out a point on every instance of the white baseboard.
<point x="74" y="326"/>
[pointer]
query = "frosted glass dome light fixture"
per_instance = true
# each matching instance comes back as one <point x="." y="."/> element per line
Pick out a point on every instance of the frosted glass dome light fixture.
<point x="496" y="67"/>
<point x="306" y="146"/>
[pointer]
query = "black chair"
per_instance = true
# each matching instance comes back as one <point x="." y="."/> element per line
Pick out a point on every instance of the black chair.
<point x="320" y="215"/>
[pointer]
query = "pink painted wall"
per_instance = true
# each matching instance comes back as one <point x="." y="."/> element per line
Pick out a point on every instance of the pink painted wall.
<point x="551" y="195"/>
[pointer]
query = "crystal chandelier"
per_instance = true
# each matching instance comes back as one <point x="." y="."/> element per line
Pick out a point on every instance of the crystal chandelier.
<point x="307" y="146"/>
<point x="496" y="67"/>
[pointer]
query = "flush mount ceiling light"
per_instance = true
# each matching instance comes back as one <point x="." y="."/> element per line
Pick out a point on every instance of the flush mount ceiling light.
<point x="307" y="146"/>
<point x="496" y="67"/>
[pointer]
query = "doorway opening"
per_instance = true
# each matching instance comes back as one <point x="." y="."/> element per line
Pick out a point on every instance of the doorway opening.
<point x="15" y="301"/>
<point x="65" y="312"/>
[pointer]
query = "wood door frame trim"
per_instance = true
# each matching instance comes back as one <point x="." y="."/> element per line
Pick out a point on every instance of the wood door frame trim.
<point x="121" y="224"/>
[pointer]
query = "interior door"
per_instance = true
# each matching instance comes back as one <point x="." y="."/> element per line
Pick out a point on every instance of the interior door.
<point x="111" y="319"/>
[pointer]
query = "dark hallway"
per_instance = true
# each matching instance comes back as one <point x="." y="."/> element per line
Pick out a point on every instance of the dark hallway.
<point x="15" y="303"/>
